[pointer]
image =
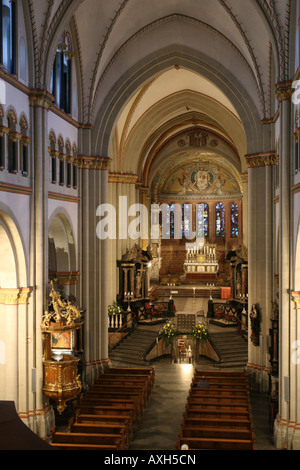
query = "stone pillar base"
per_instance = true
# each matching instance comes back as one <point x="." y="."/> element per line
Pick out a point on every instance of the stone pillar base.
<point x="259" y="379"/>
<point x="42" y="422"/>
<point x="280" y="434"/>
<point x="286" y="437"/>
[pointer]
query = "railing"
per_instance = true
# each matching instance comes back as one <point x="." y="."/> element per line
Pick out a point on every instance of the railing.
<point x="122" y="327"/>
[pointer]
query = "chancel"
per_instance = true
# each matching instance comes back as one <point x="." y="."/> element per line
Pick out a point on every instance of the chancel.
<point x="109" y="110"/>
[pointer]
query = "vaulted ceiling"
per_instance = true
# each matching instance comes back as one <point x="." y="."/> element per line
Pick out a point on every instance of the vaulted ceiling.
<point x="150" y="70"/>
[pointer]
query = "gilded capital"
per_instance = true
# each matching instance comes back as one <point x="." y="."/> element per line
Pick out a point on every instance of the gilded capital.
<point x="90" y="162"/>
<point x="122" y="178"/>
<point x="296" y="299"/>
<point x="263" y="159"/>
<point x="284" y="91"/>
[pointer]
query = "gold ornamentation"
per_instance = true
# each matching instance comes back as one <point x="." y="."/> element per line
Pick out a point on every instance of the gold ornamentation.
<point x="14" y="296"/>
<point x="284" y="91"/>
<point x="122" y="178"/>
<point x="259" y="160"/>
<point x="296" y="299"/>
<point x="91" y="162"/>
<point x="63" y="311"/>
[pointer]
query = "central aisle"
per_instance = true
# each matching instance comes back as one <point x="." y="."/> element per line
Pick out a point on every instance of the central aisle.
<point x="160" y="425"/>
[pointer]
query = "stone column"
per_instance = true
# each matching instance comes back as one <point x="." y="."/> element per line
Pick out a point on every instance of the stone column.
<point x="39" y="276"/>
<point x="295" y="363"/>
<point x="260" y="240"/>
<point x="284" y="93"/>
<point x="104" y="278"/>
<point x="244" y="177"/>
<point x="95" y="261"/>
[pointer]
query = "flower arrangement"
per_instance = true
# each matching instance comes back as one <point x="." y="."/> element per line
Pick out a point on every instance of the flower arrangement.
<point x="199" y="332"/>
<point x="114" y="309"/>
<point x="168" y="331"/>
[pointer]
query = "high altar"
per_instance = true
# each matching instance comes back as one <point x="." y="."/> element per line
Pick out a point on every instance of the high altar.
<point x="201" y="262"/>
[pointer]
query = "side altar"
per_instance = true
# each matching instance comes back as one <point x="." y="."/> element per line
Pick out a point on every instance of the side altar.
<point x="201" y="262"/>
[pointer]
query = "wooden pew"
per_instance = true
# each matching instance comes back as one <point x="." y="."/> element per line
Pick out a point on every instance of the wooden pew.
<point x="218" y="417"/>
<point x="194" y="410"/>
<point x="114" y="390"/>
<point x="220" y="373"/>
<point x="105" y="412"/>
<point x="85" y="440"/>
<point x="106" y="419"/>
<point x="119" y="382"/>
<point x="113" y="399"/>
<point x="216" y="432"/>
<point x="191" y="421"/>
<point x="101" y="428"/>
<point x="215" y="444"/>
<point x="128" y="371"/>
<point x="219" y="401"/>
<point x="208" y="392"/>
<point x="126" y="404"/>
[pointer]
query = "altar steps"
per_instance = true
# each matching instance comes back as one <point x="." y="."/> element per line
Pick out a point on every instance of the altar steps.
<point x="232" y="348"/>
<point x="133" y="348"/>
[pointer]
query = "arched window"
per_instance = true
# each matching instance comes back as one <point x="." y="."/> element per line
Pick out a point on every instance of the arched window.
<point x="61" y="81"/>
<point x="25" y="141"/>
<point x="220" y="220"/>
<point x="202" y="220"/>
<point x="186" y="220"/>
<point x="234" y="220"/>
<point x="8" y="32"/>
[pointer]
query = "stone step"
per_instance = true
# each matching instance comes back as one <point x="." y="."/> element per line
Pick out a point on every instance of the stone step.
<point x="232" y="348"/>
<point x="132" y="349"/>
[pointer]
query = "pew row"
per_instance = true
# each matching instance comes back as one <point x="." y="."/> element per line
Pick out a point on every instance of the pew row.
<point x="108" y="412"/>
<point x="218" y="417"/>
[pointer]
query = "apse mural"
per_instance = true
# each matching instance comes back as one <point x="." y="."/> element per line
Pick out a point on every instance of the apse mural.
<point x="205" y="178"/>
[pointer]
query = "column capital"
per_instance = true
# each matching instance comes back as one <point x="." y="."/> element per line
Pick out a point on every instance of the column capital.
<point x="284" y="91"/>
<point x="91" y="162"/>
<point x="244" y="177"/>
<point x="296" y="299"/>
<point x="262" y="159"/>
<point x="40" y="99"/>
<point x="122" y="178"/>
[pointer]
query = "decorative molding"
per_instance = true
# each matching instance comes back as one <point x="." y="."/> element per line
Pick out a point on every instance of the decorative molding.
<point x="296" y="188"/>
<point x="90" y="162"/>
<point x="15" y="296"/>
<point x="122" y="178"/>
<point x="262" y="159"/>
<point x="13" y="188"/>
<point x="63" y="197"/>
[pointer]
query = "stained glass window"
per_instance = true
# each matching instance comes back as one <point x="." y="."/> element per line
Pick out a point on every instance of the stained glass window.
<point x="234" y="220"/>
<point x="202" y="220"/>
<point x="220" y="220"/>
<point x="186" y="220"/>
<point x="170" y="219"/>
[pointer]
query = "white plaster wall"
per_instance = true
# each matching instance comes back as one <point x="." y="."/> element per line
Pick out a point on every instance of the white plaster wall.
<point x="17" y="206"/>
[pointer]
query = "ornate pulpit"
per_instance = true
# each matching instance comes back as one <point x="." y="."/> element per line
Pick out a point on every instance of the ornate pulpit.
<point x="62" y="344"/>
